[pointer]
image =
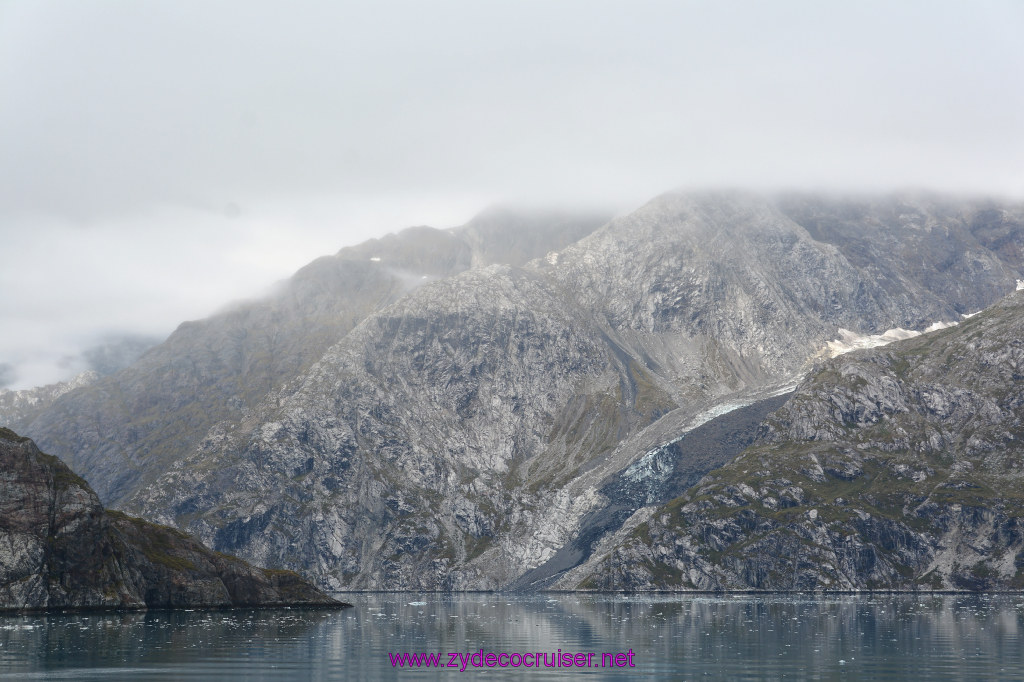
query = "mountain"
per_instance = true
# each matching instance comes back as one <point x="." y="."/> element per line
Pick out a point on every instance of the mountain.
<point x="467" y="432"/>
<point x="410" y="415"/>
<point x="61" y="549"/>
<point x="25" y="404"/>
<point x="891" y="468"/>
<point x="123" y="430"/>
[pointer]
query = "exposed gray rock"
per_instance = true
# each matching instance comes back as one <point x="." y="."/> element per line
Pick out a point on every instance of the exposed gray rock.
<point x="401" y="416"/>
<point x="27" y="403"/>
<point x="892" y="468"/>
<point x="60" y="549"/>
<point x="123" y="430"/>
<point x="934" y="250"/>
<point x="460" y="437"/>
<point x="404" y="453"/>
<point x="661" y="474"/>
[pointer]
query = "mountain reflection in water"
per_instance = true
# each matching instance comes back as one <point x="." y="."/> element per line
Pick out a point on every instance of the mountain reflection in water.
<point x="753" y="637"/>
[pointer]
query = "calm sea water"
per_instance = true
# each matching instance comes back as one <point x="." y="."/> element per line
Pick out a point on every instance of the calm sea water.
<point x="742" y="637"/>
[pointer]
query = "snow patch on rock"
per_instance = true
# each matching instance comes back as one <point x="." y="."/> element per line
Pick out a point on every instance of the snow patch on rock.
<point x="850" y="341"/>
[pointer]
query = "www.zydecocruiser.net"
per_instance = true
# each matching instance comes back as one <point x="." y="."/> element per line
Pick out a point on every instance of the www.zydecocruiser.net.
<point x="463" y="661"/>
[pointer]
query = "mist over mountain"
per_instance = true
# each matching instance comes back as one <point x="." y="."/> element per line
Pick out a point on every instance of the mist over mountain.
<point x="452" y="409"/>
<point x="158" y="408"/>
<point x="7" y="374"/>
<point x="23" y="406"/>
<point x="117" y="353"/>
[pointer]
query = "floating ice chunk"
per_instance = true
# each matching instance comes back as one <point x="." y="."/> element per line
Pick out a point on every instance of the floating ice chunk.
<point x="375" y="259"/>
<point x="1020" y="284"/>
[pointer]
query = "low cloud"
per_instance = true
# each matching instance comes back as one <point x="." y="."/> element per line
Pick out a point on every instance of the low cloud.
<point x="118" y="353"/>
<point x="81" y="285"/>
<point x="143" y="184"/>
<point x="7" y="374"/>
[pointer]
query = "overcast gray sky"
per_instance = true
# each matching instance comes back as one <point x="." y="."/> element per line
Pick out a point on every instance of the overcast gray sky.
<point x="158" y="159"/>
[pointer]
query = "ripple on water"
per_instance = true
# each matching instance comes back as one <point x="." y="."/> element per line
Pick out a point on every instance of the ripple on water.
<point x="743" y="637"/>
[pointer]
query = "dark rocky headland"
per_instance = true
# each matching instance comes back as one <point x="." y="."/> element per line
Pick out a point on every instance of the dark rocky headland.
<point x="60" y="549"/>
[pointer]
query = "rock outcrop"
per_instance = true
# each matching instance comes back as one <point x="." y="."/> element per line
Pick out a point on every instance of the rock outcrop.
<point x="60" y="549"/>
<point x="26" y="404"/>
<point x="893" y="468"/>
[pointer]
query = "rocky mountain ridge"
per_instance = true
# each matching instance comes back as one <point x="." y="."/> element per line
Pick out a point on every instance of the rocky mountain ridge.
<point x="462" y="433"/>
<point x="122" y="430"/>
<point x="460" y="437"/>
<point x="20" y="405"/>
<point x="892" y="468"/>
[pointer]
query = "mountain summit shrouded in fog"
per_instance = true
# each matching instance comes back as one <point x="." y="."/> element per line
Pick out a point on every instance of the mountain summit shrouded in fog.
<point x="507" y="403"/>
<point x="456" y="409"/>
<point x="163" y="160"/>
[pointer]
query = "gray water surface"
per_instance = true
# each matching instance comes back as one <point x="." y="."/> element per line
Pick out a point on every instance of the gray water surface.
<point x="740" y="637"/>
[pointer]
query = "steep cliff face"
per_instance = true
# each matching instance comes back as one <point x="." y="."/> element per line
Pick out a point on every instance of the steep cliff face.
<point x="123" y="430"/>
<point x="405" y="454"/>
<point x="935" y="253"/>
<point x="889" y="468"/>
<point x="60" y="549"/>
<point x="713" y="289"/>
<point x="756" y="283"/>
<point x="465" y="434"/>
